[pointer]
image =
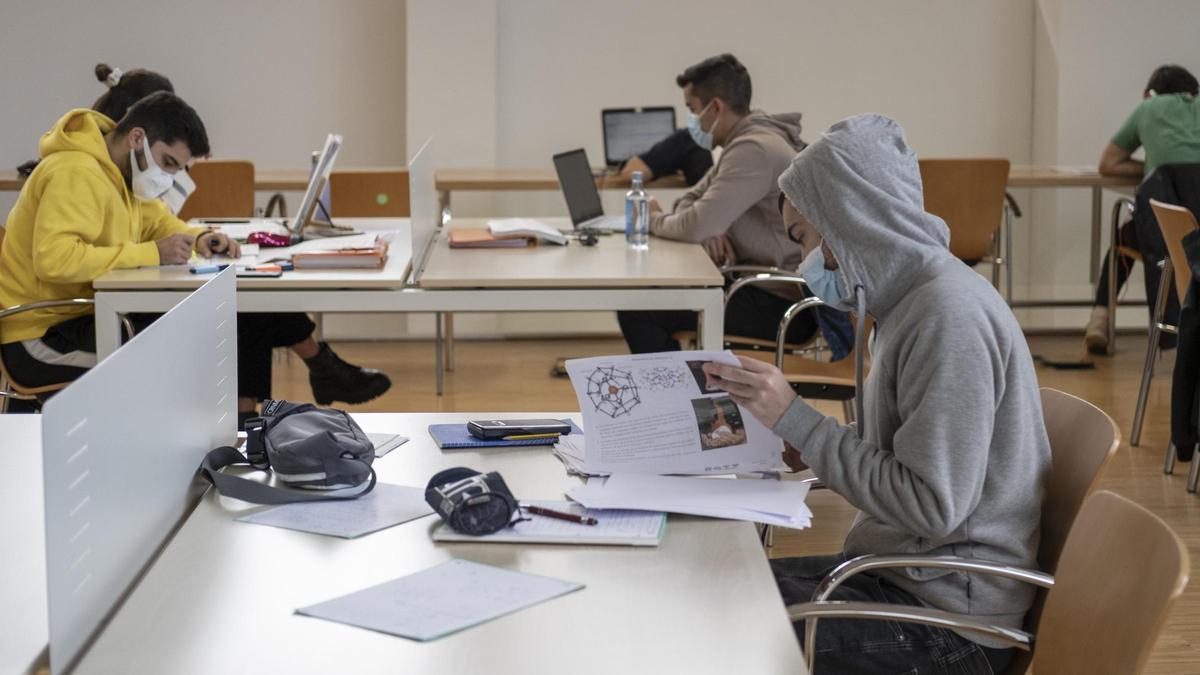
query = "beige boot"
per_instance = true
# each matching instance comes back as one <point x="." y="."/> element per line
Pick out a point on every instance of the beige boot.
<point x="1095" y="336"/>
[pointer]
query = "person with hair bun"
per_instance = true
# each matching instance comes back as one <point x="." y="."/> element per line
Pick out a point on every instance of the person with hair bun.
<point x="124" y="89"/>
<point x="90" y="215"/>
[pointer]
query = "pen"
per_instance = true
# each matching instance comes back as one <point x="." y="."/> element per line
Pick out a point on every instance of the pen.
<point x="208" y="269"/>
<point x="527" y="437"/>
<point x="573" y="517"/>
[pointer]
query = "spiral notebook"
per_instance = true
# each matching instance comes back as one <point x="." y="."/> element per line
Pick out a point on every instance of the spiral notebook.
<point x="456" y="437"/>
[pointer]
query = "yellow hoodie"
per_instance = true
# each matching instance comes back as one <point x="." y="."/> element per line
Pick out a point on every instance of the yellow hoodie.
<point x="74" y="220"/>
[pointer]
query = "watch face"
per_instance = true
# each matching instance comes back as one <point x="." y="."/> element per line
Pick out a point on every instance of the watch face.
<point x="485" y="515"/>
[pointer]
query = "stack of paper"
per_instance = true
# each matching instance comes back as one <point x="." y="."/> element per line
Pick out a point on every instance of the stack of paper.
<point x="774" y="502"/>
<point x="526" y="227"/>
<point x="569" y="449"/>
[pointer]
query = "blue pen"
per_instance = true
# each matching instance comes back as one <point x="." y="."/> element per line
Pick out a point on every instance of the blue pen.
<point x="208" y="269"/>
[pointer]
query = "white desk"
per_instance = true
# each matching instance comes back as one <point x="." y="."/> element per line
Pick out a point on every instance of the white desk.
<point x="158" y="289"/>
<point x="23" y="627"/>
<point x="671" y="275"/>
<point x="221" y="597"/>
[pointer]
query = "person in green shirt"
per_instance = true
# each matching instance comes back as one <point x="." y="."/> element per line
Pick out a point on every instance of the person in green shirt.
<point x="1166" y="124"/>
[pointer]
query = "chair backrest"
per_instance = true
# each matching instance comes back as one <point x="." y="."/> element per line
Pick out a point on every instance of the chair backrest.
<point x="969" y="195"/>
<point x="380" y="193"/>
<point x="224" y="189"/>
<point x="1083" y="438"/>
<point x="1121" y="570"/>
<point x="1176" y="222"/>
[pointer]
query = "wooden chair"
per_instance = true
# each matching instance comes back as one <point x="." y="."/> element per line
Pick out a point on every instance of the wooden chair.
<point x="1082" y="441"/>
<point x="969" y="194"/>
<point x="224" y="189"/>
<point x="1176" y="222"/>
<point x="369" y="194"/>
<point x="1121" y="570"/>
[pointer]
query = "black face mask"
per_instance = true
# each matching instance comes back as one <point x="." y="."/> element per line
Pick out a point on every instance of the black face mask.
<point x="471" y="502"/>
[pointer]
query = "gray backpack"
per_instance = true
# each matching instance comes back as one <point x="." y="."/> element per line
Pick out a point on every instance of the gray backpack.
<point x="318" y="449"/>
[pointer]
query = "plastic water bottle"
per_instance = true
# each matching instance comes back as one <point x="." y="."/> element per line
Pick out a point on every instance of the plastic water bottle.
<point x="637" y="215"/>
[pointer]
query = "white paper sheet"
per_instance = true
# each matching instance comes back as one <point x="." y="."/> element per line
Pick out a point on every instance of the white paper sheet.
<point x="383" y="507"/>
<point x="385" y="443"/>
<point x="632" y="528"/>
<point x="653" y="413"/>
<point x="441" y="600"/>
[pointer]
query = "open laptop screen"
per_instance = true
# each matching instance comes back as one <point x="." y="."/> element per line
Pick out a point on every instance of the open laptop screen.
<point x="633" y="131"/>
<point x="578" y="185"/>
<point x="317" y="182"/>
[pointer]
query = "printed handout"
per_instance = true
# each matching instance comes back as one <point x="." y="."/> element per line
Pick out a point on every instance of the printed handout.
<point x="654" y="413"/>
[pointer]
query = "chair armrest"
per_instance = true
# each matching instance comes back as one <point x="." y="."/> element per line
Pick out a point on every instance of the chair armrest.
<point x="875" y="562"/>
<point x="809" y="612"/>
<point x="763" y="279"/>
<point x="1010" y="202"/>
<point x="865" y="563"/>
<point x="754" y="269"/>
<point x="43" y="304"/>
<point x="786" y="322"/>
<point x="73" y="302"/>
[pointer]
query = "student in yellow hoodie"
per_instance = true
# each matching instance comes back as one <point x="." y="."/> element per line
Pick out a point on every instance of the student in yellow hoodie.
<point x="91" y="206"/>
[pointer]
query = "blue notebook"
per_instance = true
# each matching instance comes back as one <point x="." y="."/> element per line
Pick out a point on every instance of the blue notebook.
<point x="456" y="437"/>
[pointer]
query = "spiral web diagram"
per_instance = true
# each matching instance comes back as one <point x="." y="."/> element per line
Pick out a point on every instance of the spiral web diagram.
<point x="613" y="391"/>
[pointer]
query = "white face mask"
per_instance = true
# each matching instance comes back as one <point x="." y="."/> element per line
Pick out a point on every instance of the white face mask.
<point x="151" y="182"/>
<point x="181" y="188"/>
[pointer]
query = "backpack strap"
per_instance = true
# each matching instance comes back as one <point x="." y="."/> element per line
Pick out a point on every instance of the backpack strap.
<point x="261" y="493"/>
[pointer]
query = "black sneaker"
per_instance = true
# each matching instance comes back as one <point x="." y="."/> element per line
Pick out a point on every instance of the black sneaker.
<point x="333" y="379"/>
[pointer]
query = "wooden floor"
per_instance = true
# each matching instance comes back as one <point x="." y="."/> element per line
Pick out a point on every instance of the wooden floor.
<point x="501" y="376"/>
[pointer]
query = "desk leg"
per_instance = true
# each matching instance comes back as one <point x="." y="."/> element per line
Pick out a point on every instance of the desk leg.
<point x="712" y="322"/>
<point x="437" y="349"/>
<point x="1097" y="193"/>
<point x="444" y="206"/>
<point x="449" y="352"/>
<point x="108" y="328"/>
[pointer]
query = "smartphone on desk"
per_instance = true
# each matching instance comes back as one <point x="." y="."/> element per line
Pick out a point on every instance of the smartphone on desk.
<point x="491" y="430"/>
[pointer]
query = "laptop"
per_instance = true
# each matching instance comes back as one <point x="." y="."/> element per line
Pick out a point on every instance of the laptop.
<point x="633" y="131"/>
<point x="304" y="225"/>
<point x="583" y="198"/>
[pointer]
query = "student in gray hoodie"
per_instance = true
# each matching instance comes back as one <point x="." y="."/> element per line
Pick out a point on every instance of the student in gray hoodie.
<point x="733" y="210"/>
<point x="950" y="454"/>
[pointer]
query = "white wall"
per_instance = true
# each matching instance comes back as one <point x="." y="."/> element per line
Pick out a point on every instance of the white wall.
<point x="1093" y="60"/>
<point x="269" y="78"/>
<point x="957" y="75"/>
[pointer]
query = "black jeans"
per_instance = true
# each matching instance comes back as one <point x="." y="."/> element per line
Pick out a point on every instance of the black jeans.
<point x="866" y="647"/>
<point x="257" y="335"/>
<point x="752" y="312"/>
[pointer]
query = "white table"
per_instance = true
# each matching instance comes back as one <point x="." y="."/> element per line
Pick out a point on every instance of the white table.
<point x="221" y="597"/>
<point x="671" y="275"/>
<point x="158" y="289"/>
<point x="23" y="628"/>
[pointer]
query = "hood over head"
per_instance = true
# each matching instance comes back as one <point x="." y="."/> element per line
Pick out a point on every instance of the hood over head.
<point x="860" y="185"/>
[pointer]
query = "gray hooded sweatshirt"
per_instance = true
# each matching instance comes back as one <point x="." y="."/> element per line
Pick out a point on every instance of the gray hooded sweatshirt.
<point x="953" y="453"/>
<point x="739" y="196"/>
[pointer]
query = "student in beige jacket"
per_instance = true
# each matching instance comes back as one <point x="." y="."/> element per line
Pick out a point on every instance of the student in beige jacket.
<point x="734" y="210"/>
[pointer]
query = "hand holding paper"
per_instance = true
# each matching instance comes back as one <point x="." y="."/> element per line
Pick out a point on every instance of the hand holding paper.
<point x="759" y="387"/>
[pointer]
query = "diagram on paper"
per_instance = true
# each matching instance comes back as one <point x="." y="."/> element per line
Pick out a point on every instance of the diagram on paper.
<point x="662" y="378"/>
<point x="612" y="391"/>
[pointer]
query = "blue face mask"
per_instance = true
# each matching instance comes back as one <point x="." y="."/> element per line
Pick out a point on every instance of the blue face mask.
<point x="825" y="284"/>
<point x="702" y="138"/>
